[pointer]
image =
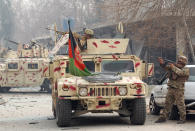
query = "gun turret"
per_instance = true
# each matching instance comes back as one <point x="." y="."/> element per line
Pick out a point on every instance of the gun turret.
<point x="30" y="50"/>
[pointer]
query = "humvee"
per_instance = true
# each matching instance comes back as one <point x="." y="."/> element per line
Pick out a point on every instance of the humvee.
<point x="26" y="67"/>
<point x="116" y="85"/>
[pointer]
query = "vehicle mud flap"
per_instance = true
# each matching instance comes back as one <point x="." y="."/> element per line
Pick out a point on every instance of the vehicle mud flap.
<point x="63" y="112"/>
<point x="138" y="114"/>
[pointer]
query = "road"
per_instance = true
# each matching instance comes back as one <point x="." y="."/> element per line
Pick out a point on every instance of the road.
<point x="32" y="111"/>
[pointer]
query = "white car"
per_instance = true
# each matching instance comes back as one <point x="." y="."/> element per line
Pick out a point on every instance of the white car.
<point x="158" y="95"/>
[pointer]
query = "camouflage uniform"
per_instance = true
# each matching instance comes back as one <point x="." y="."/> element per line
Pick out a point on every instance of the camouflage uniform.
<point x="82" y="40"/>
<point x="177" y="78"/>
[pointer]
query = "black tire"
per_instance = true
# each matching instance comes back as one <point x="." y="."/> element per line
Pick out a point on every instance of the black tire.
<point x="63" y="112"/>
<point x="154" y="109"/>
<point x="46" y="86"/>
<point x="138" y="114"/>
<point x="174" y="114"/>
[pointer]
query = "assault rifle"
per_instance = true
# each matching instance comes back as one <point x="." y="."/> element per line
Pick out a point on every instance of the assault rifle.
<point x="165" y="75"/>
<point x="166" y="61"/>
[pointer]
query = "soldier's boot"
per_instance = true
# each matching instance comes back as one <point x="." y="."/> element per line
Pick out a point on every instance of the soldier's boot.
<point x="160" y="120"/>
<point x="181" y="122"/>
<point x="182" y="114"/>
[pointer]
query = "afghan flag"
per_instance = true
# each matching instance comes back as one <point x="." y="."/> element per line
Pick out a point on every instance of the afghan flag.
<point x="76" y="65"/>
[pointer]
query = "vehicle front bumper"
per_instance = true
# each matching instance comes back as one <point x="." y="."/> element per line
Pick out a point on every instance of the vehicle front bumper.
<point x="102" y="103"/>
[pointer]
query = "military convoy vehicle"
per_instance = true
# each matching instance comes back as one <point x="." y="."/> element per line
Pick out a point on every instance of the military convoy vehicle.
<point x="23" y="72"/>
<point x="26" y="67"/>
<point x="116" y="86"/>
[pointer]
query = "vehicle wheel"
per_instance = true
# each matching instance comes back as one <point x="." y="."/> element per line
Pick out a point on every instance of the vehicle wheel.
<point x="138" y="114"/>
<point x="4" y="89"/>
<point x="154" y="109"/>
<point x="174" y="114"/>
<point x="63" y="112"/>
<point x="46" y="86"/>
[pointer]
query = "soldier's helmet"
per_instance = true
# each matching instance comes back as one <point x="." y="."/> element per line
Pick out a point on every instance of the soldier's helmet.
<point x="89" y="32"/>
<point x="182" y="59"/>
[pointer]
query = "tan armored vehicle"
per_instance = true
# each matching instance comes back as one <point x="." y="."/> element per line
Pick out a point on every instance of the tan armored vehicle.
<point x="118" y="86"/>
<point x="26" y="67"/>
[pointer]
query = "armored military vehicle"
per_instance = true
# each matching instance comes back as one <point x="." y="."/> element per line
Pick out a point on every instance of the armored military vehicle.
<point x="26" y="67"/>
<point x="116" y="86"/>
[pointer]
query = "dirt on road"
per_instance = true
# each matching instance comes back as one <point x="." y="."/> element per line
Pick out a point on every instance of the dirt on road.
<point x="32" y="111"/>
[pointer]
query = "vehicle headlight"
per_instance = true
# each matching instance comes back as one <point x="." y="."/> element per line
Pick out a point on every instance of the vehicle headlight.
<point x="122" y="91"/>
<point x="83" y="91"/>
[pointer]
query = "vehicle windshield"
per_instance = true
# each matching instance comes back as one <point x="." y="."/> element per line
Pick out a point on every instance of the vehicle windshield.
<point x="117" y="66"/>
<point x="90" y="65"/>
<point x="192" y="74"/>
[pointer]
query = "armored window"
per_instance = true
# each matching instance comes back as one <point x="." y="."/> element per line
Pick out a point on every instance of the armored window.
<point x="90" y="65"/>
<point x="12" y="65"/>
<point x="117" y="66"/>
<point x="32" y="66"/>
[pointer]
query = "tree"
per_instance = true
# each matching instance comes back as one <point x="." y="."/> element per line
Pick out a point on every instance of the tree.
<point x="6" y="20"/>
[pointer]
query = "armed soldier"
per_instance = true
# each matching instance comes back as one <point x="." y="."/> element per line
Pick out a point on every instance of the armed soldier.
<point x="82" y="40"/>
<point x="178" y="75"/>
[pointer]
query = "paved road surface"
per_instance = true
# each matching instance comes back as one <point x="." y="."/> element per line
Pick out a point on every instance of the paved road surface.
<point x="32" y="111"/>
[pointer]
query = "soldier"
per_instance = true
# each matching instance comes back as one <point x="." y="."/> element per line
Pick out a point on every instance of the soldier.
<point x="178" y="74"/>
<point x="82" y="40"/>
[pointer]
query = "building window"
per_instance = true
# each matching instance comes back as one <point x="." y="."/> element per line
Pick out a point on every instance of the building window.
<point x="12" y="65"/>
<point x="32" y="66"/>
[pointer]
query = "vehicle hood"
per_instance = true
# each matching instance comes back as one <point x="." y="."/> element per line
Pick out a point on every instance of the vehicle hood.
<point x="102" y="80"/>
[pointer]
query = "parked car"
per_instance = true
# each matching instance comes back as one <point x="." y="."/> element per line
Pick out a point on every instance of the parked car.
<point x="158" y="95"/>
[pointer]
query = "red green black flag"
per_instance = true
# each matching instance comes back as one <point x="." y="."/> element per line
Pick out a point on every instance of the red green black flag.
<point x="76" y="65"/>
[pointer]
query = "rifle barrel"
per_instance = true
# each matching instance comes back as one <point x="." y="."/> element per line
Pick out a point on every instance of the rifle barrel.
<point x="59" y="32"/>
<point x="13" y="42"/>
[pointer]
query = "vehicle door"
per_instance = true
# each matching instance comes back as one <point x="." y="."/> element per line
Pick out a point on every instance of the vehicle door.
<point x="159" y="94"/>
<point x="164" y="90"/>
<point x="15" y="73"/>
<point x="33" y="73"/>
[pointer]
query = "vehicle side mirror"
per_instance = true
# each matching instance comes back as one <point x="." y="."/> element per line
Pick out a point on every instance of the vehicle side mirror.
<point x="150" y="69"/>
